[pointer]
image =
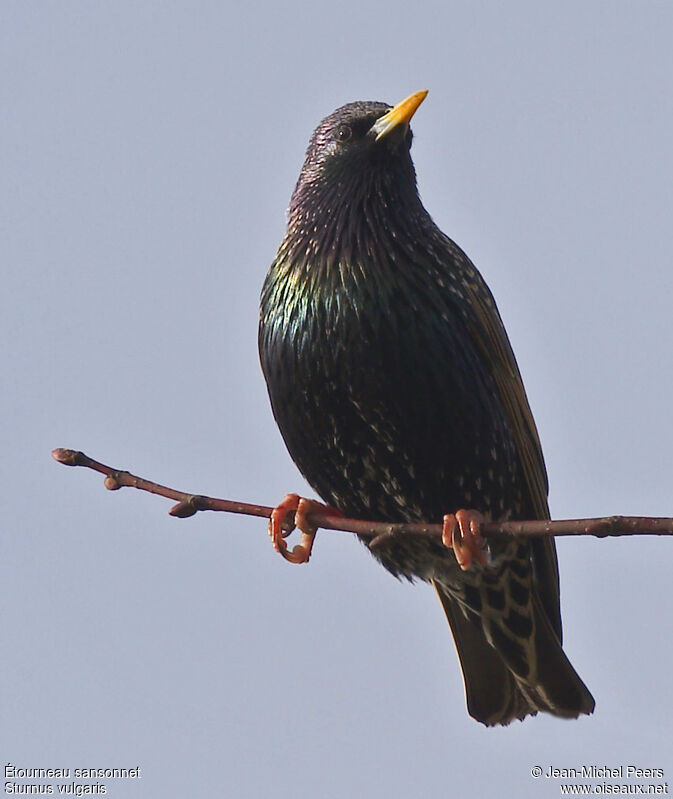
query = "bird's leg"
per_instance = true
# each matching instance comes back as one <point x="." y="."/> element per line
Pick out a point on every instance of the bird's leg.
<point x="460" y="531"/>
<point x="279" y="529"/>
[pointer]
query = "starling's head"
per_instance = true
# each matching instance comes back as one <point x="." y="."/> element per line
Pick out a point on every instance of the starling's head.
<point x="357" y="147"/>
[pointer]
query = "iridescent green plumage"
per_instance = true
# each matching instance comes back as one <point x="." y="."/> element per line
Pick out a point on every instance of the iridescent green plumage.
<point x="395" y="388"/>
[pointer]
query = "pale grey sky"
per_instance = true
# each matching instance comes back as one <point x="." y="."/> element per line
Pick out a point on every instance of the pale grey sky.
<point x="148" y="154"/>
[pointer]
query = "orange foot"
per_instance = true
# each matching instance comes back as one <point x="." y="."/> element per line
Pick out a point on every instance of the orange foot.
<point x="279" y="528"/>
<point x="461" y="532"/>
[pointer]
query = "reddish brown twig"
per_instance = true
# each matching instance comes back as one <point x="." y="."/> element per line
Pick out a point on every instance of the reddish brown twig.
<point x="189" y="504"/>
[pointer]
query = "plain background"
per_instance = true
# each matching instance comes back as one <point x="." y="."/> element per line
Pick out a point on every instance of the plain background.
<point x="148" y="153"/>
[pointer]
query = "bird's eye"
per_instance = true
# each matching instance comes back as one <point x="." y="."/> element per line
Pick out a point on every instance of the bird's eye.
<point x="343" y="133"/>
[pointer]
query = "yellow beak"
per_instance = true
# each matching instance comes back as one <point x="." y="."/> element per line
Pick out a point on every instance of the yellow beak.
<point x="399" y="115"/>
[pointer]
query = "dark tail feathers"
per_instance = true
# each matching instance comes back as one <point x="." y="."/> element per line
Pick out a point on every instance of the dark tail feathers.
<point x="495" y="695"/>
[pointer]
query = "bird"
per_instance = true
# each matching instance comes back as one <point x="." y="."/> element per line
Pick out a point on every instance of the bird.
<point x="398" y="396"/>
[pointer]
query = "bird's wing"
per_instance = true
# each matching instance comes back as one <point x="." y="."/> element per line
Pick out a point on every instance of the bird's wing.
<point x="489" y="333"/>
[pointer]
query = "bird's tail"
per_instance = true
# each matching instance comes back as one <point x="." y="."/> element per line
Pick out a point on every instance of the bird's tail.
<point x="510" y="677"/>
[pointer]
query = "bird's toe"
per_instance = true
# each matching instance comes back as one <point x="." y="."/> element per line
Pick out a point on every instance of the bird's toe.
<point x="461" y="532"/>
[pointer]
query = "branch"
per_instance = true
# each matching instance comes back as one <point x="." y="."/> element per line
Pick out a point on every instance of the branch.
<point x="189" y="504"/>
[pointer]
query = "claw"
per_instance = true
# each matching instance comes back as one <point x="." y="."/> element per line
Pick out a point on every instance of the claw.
<point x="460" y="531"/>
<point x="279" y="528"/>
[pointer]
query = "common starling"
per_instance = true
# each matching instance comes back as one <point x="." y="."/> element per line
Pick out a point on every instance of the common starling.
<point x="397" y="393"/>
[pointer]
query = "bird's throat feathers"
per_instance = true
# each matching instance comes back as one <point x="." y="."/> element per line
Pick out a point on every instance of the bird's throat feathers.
<point x="357" y="220"/>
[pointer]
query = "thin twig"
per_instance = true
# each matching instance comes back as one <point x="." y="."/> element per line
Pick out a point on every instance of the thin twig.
<point x="189" y="504"/>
